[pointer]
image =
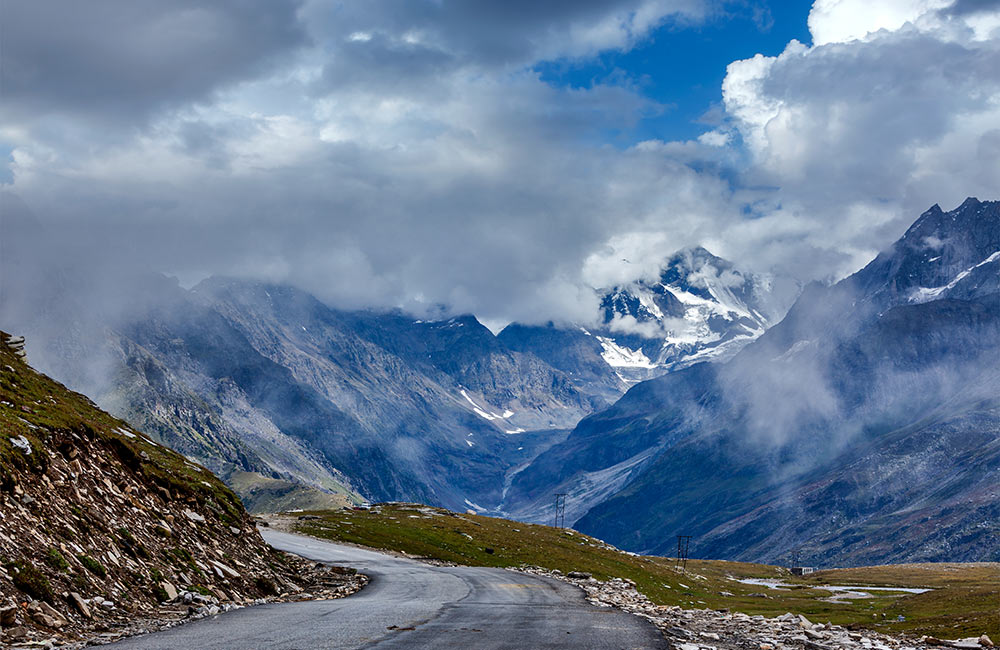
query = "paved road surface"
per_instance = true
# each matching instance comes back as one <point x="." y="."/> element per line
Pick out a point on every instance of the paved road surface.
<point x="465" y="608"/>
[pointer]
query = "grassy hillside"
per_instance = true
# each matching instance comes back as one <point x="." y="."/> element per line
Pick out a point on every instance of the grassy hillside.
<point x="41" y="411"/>
<point x="964" y="600"/>
<point x="265" y="494"/>
<point x="102" y="529"/>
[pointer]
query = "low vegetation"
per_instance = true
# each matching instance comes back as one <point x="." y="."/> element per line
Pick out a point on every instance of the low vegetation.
<point x="963" y="601"/>
<point x="265" y="494"/>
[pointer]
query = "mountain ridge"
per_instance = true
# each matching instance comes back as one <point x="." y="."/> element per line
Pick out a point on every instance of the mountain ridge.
<point x="858" y="363"/>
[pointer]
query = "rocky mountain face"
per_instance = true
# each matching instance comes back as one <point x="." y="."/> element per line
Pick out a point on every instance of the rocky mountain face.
<point x="291" y="401"/>
<point x="103" y="531"/>
<point x="864" y="428"/>
<point x="265" y="383"/>
<point x="699" y="308"/>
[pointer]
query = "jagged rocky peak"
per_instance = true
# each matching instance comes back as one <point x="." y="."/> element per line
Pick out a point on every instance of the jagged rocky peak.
<point x="691" y="279"/>
<point x="952" y="254"/>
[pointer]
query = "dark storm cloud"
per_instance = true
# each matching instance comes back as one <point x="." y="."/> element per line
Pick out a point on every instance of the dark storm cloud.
<point x="518" y="32"/>
<point x="403" y="46"/>
<point x="966" y="7"/>
<point x="121" y="59"/>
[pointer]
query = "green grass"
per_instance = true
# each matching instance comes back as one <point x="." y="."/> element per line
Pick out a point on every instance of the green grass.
<point x="265" y="494"/>
<point x="31" y="581"/>
<point x="964" y="601"/>
<point x="93" y="566"/>
<point x="56" y="560"/>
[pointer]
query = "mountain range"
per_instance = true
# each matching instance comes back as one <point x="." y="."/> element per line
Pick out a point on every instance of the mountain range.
<point x="863" y="428"/>
<point x="262" y="382"/>
<point x="692" y="404"/>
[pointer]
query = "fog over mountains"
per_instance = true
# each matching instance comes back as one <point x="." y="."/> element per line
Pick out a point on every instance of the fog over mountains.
<point x="860" y="427"/>
<point x="863" y="428"/>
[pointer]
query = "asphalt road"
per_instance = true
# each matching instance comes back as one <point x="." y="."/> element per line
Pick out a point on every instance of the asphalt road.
<point x="408" y="604"/>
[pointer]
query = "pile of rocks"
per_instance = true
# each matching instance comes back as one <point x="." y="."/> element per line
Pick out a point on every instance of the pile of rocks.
<point x="708" y="629"/>
<point x="105" y="533"/>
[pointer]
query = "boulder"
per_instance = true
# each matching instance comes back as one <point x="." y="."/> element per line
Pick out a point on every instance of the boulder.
<point x="8" y="616"/>
<point x="45" y="615"/>
<point x="77" y="601"/>
<point x="169" y="589"/>
<point x="224" y="571"/>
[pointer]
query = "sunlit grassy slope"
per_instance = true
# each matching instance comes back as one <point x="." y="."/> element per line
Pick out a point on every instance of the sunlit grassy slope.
<point x="965" y="599"/>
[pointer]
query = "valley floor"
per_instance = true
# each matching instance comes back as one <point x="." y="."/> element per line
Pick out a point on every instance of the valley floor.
<point x="960" y="601"/>
<point x="410" y="604"/>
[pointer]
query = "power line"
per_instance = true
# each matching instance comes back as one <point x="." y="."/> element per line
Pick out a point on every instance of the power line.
<point x="560" y="510"/>
<point x="682" y="551"/>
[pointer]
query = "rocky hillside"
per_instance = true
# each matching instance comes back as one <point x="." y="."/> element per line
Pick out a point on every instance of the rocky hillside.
<point x="862" y="429"/>
<point x="104" y="531"/>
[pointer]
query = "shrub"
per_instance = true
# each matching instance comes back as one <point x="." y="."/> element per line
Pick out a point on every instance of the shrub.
<point x="202" y="590"/>
<point x="32" y="581"/>
<point x="159" y="593"/>
<point x="56" y="560"/>
<point x="131" y="545"/>
<point x="93" y="566"/>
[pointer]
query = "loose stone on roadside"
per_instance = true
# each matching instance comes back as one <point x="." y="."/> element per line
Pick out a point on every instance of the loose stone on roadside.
<point x="709" y="629"/>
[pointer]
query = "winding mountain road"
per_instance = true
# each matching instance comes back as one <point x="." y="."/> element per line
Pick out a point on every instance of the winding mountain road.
<point x="409" y="604"/>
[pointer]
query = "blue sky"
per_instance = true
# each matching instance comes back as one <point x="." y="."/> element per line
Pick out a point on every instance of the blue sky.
<point x="682" y="66"/>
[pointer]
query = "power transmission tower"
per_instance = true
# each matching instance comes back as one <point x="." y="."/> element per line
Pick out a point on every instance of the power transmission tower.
<point x="682" y="551"/>
<point x="560" y="518"/>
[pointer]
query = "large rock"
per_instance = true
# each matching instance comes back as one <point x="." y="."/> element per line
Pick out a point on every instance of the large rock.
<point x="77" y="601"/>
<point x="8" y="616"/>
<point x="45" y="615"/>
<point x="169" y="589"/>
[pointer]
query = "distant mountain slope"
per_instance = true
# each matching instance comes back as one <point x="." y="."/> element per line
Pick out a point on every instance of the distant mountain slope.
<point x="864" y="428"/>
<point x="262" y="380"/>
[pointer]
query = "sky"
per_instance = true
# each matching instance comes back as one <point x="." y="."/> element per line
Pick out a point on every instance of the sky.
<point x="499" y="158"/>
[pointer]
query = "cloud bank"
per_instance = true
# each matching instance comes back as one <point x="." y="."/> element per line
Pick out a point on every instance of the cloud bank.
<point x="408" y="154"/>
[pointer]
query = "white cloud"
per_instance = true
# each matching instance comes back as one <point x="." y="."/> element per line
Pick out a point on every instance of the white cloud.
<point x="406" y="153"/>
<point x="840" y="21"/>
<point x="895" y="107"/>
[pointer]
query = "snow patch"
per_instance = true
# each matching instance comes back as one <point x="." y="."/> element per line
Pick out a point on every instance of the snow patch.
<point x="618" y="356"/>
<point x="22" y="443"/>
<point x="797" y="347"/>
<point x="483" y="413"/>
<point x="926" y="294"/>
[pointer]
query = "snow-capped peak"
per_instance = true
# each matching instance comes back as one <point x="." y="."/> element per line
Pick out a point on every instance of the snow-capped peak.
<point x="700" y="307"/>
